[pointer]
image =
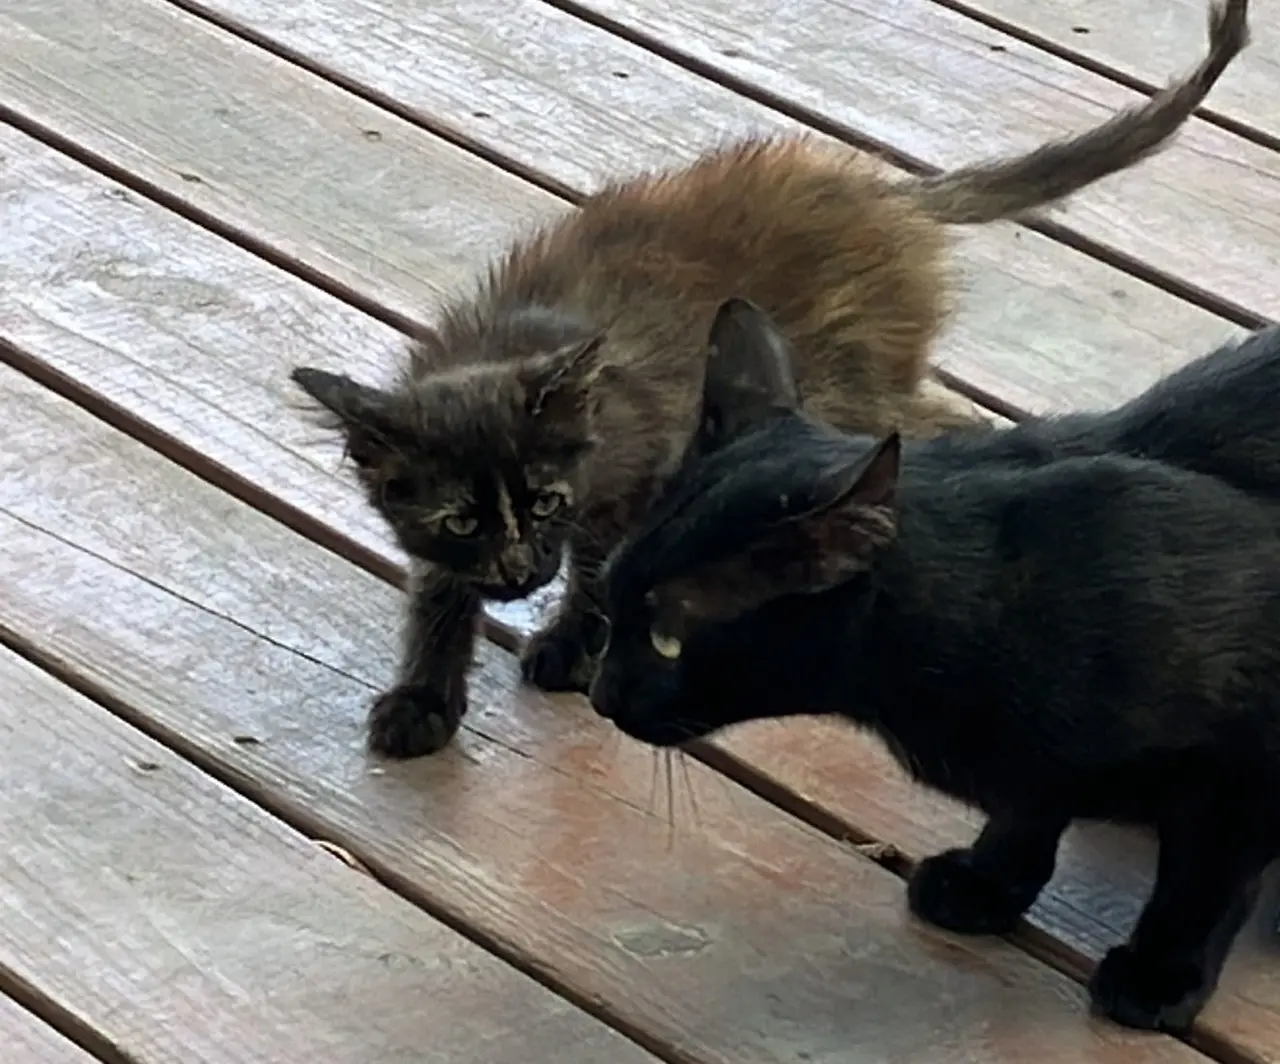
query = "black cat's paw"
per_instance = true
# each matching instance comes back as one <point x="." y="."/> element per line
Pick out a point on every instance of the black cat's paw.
<point x="948" y="892"/>
<point x="556" y="659"/>
<point x="1149" y="991"/>
<point x="414" y="720"/>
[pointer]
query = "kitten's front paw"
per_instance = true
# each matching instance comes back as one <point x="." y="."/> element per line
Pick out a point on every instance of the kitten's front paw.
<point x="949" y="892"/>
<point x="414" y="720"/>
<point x="1149" y="991"/>
<point x="555" y="658"/>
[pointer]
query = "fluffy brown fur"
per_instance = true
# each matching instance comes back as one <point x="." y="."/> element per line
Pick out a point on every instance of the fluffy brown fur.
<point x="546" y="411"/>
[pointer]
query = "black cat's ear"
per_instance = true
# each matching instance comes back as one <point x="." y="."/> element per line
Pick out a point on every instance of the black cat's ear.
<point x="360" y="412"/>
<point x="852" y="517"/>
<point x="558" y="385"/>
<point x="749" y="376"/>
<point x="872" y="480"/>
<point x="855" y="516"/>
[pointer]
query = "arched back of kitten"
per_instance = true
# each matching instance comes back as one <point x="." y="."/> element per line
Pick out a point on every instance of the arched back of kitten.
<point x="548" y="408"/>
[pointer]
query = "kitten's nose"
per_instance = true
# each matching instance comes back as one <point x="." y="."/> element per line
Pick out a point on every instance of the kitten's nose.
<point x="516" y="566"/>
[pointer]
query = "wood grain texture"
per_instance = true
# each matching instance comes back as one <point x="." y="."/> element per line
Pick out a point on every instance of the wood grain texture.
<point x="28" y="1040"/>
<point x="947" y="90"/>
<point x="253" y="140"/>
<point x="193" y="357"/>
<point x="73" y="320"/>
<point x="1149" y="41"/>
<point x="282" y="156"/>
<point x="1103" y="876"/>
<point x="738" y="935"/>
<point x="184" y="924"/>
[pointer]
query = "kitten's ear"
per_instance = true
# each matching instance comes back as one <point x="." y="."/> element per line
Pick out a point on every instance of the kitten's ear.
<point x="361" y="413"/>
<point x="749" y="376"/>
<point x="558" y="385"/>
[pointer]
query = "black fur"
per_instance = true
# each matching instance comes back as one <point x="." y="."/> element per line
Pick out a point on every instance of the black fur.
<point x="1074" y="618"/>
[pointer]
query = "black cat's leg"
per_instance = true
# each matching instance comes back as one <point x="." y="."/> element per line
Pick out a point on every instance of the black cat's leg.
<point x="1206" y="885"/>
<point x="561" y="656"/>
<point x="425" y="708"/>
<point x="986" y="888"/>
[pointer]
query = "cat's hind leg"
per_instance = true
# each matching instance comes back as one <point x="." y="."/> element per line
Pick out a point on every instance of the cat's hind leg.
<point x="985" y="889"/>
<point x="1211" y="861"/>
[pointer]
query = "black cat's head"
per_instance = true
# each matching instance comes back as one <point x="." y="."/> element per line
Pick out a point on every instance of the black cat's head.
<point x="768" y="508"/>
<point x="475" y="461"/>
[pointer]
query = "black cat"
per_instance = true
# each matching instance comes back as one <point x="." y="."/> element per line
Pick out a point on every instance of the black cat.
<point x="1074" y="618"/>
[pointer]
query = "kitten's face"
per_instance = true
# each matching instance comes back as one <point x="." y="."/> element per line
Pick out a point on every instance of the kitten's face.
<point x="477" y="469"/>
<point x="768" y="508"/>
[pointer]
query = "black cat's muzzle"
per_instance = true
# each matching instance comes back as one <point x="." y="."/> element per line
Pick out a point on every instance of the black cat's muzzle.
<point x="631" y="709"/>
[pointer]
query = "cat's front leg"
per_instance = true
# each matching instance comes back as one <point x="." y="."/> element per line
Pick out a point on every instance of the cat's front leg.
<point x="561" y="656"/>
<point x="1206" y="885"/>
<point x="424" y="710"/>
<point x="985" y="889"/>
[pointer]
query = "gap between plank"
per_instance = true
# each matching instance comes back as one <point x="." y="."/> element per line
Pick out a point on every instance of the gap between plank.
<point x="314" y="829"/>
<point x="176" y="204"/>
<point x="1095" y="66"/>
<point x="53" y="1014"/>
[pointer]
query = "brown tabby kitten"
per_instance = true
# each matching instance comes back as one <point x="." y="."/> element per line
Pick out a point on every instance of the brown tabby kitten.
<point x="545" y="411"/>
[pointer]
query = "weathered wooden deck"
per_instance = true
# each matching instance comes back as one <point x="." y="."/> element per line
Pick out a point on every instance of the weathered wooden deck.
<point x="195" y="607"/>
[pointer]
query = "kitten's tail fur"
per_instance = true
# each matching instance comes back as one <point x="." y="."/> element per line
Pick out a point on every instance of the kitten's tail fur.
<point x="1007" y="188"/>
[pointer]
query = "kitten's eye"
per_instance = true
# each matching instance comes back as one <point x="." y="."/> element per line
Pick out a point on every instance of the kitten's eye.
<point x="546" y="504"/>
<point x="462" y="527"/>
<point x="666" y="645"/>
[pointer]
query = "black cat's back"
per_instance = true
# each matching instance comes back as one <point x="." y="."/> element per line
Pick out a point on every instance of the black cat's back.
<point x="1218" y="415"/>
<point x="1113" y="588"/>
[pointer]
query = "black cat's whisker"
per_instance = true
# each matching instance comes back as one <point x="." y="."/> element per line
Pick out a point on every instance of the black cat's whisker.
<point x="653" y="780"/>
<point x="668" y="755"/>
<point x="683" y="759"/>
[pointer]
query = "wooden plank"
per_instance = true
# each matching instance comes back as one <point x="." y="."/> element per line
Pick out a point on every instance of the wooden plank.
<point x="28" y="1040"/>
<point x="80" y="326"/>
<point x="210" y="370"/>
<point x="161" y="94"/>
<point x="180" y="922"/>
<point x="946" y="89"/>
<point x="262" y="145"/>
<point x="738" y="936"/>
<point x="1149" y="41"/>
<point x="1103" y="877"/>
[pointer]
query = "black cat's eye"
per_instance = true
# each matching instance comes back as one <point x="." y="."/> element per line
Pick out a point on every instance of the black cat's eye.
<point x="667" y="645"/>
<point x="546" y="504"/>
<point x="460" y="525"/>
